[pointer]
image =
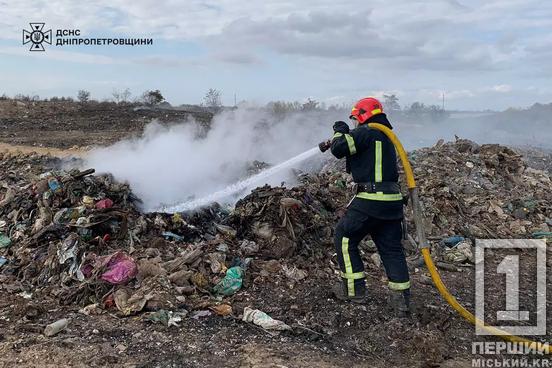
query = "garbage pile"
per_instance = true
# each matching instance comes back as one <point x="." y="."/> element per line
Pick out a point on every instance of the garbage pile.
<point x="80" y="239"/>
<point x="481" y="191"/>
<point x="285" y="222"/>
<point x="537" y="158"/>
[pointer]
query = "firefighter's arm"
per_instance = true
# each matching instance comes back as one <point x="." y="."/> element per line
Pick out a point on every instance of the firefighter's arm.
<point x="343" y="144"/>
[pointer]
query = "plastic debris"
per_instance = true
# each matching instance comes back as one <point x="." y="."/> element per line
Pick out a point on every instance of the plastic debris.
<point x="452" y="240"/>
<point x="88" y="201"/>
<point x="54" y="185"/>
<point x="120" y="268"/>
<point x="249" y="247"/>
<point x="56" y="327"/>
<point x="165" y="317"/>
<point x="201" y="314"/>
<point x="231" y="283"/>
<point x="5" y="241"/>
<point x="460" y="253"/>
<point x="169" y="235"/>
<point x="104" y="204"/>
<point x="262" y="319"/>
<point x="294" y="273"/>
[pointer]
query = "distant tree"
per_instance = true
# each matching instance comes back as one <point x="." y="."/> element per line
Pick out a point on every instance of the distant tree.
<point x="125" y="95"/>
<point x="83" y="96"/>
<point x="310" y="105"/>
<point x="421" y="111"/>
<point x="282" y="108"/>
<point x="213" y="98"/>
<point x="417" y="107"/>
<point x="4" y="97"/>
<point x="121" y="96"/>
<point x="391" y="103"/>
<point x="152" y="97"/>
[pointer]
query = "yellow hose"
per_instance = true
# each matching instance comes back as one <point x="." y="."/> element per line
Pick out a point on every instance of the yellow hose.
<point x="424" y="245"/>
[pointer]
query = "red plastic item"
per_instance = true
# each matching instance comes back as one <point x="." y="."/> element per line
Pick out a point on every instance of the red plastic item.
<point x="120" y="268"/>
<point x="104" y="203"/>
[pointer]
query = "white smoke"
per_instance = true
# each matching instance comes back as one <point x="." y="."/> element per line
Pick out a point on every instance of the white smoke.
<point x="171" y="164"/>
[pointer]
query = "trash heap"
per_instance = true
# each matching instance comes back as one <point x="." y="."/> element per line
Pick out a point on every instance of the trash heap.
<point x="78" y="238"/>
<point x="285" y="222"/>
<point x="481" y="191"/>
<point x="540" y="159"/>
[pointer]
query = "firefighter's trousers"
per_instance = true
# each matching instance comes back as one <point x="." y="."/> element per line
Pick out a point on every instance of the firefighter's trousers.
<point x="386" y="234"/>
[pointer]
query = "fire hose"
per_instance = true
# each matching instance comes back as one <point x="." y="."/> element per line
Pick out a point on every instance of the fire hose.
<point x="424" y="246"/>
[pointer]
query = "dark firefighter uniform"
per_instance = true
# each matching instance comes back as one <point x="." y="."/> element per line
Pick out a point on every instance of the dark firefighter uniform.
<point x="377" y="208"/>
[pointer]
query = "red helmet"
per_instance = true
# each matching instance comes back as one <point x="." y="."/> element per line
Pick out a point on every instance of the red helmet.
<point x="366" y="108"/>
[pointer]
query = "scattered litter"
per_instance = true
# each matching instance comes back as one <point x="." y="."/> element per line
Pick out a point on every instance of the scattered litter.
<point x="5" y="241"/>
<point x="231" y="283"/>
<point x="167" y="318"/>
<point x="120" y="268"/>
<point x="201" y="314"/>
<point x="56" y="327"/>
<point x="294" y="273"/>
<point x="249" y="247"/>
<point x="460" y="253"/>
<point x="130" y="303"/>
<point x="104" y="204"/>
<point x="172" y="236"/>
<point x="452" y="240"/>
<point x="222" y="309"/>
<point x="262" y="319"/>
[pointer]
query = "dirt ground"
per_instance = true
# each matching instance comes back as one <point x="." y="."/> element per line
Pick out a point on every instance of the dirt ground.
<point x="66" y="124"/>
<point x="326" y="332"/>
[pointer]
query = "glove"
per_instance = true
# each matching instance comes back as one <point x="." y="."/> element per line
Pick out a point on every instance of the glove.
<point x="341" y="127"/>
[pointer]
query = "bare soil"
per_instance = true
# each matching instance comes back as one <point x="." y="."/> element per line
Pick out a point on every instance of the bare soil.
<point x="67" y="124"/>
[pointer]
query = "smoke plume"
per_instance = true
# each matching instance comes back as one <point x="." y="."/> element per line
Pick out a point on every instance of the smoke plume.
<point x="179" y="162"/>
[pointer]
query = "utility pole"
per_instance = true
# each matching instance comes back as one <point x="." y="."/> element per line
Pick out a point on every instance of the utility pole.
<point x="443" y="100"/>
<point x="235" y="100"/>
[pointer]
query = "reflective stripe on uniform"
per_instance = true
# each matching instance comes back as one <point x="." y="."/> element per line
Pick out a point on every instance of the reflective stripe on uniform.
<point x="351" y="144"/>
<point x="348" y="265"/>
<point x="378" y="174"/>
<point x="399" y="286"/>
<point x="350" y="141"/>
<point x="354" y="276"/>
<point x="379" y="196"/>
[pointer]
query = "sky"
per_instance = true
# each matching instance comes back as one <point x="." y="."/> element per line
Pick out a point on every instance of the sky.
<point x="481" y="54"/>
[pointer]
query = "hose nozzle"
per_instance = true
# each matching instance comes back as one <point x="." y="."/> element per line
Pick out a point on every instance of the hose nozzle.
<point x="324" y="146"/>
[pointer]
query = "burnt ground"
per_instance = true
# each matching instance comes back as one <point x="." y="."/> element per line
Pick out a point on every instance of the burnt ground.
<point x="326" y="333"/>
<point x="64" y="124"/>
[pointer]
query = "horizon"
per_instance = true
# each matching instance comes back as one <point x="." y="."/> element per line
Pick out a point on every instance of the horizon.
<point x="491" y="56"/>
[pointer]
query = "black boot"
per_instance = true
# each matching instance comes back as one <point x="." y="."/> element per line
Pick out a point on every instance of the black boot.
<point x="339" y="291"/>
<point x="400" y="302"/>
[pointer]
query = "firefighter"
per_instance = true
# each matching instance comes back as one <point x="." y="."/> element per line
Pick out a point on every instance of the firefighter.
<point x="376" y="209"/>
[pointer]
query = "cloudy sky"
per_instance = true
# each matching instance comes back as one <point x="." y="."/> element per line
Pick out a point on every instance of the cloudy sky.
<point x="482" y="54"/>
